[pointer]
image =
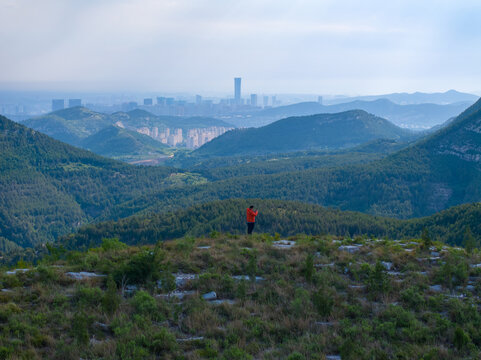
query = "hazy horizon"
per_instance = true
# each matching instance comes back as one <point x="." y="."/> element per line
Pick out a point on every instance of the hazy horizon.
<point x="307" y="47"/>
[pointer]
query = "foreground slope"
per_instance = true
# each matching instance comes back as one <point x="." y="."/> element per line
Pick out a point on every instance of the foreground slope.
<point x="48" y="188"/>
<point x="314" y="297"/>
<point x="322" y="131"/>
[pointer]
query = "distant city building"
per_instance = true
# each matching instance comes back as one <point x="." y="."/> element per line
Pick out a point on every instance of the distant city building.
<point x="237" y="90"/>
<point x="253" y="99"/>
<point x="319" y="100"/>
<point x="266" y="101"/>
<point x="273" y="100"/>
<point x="161" y="100"/>
<point x="148" y="102"/>
<point x="58" y="104"/>
<point x="198" y="99"/>
<point x="74" y="102"/>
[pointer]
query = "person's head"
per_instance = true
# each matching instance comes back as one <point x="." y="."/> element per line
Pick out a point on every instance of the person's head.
<point x="251" y="207"/>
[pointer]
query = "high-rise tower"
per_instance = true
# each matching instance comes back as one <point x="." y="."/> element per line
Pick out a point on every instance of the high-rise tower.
<point x="237" y="90"/>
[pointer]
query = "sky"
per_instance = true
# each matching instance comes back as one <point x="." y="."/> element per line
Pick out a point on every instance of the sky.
<point x="276" y="46"/>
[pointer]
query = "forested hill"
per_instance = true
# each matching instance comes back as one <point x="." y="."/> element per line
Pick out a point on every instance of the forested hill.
<point x="277" y="216"/>
<point x="322" y="131"/>
<point x="114" y="141"/>
<point x="48" y="188"/>
<point x="74" y="125"/>
<point x="411" y="115"/>
<point x="430" y="176"/>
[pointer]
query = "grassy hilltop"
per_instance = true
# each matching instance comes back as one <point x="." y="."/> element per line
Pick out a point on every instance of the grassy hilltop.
<point x="234" y="297"/>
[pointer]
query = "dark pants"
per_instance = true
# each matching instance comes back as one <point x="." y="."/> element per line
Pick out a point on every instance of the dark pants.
<point x="250" y="227"/>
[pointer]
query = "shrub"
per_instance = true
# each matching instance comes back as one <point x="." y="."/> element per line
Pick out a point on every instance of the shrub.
<point x="162" y="341"/>
<point x="235" y="353"/>
<point x="109" y="244"/>
<point x="308" y="269"/>
<point x="79" y="328"/>
<point x="323" y="301"/>
<point x="461" y="339"/>
<point x="145" y="304"/>
<point x="111" y="299"/>
<point x="142" y="268"/>
<point x="296" y="356"/>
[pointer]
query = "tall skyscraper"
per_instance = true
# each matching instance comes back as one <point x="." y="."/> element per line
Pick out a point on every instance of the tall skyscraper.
<point x="74" y="102"/>
<point x="148" y="102"/>
<point x="319" y="99"/>
<point x="237" y="90"/>
<point x="253" y="99"/>
<point x="198" y="99"/>
<point x="58" y="104"/>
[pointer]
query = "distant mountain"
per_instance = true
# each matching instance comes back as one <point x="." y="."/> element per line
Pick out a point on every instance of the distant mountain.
<point x="414" y="116"/>
<point x="78" y="126"/>
<point x="438" y="172"/>
<point x="322" y="131"/>
<point x="49" y="188"/>
<point x="141" y="118"/>
<point x="448" y="97"/>
<point x="70" y="125"/>
<point x="114" y="141"/>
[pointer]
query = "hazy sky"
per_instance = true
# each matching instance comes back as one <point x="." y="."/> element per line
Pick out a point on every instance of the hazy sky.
<point x="276" y="46"/>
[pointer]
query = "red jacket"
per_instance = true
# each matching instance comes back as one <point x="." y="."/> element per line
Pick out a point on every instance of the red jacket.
<point x="251" y="215"/>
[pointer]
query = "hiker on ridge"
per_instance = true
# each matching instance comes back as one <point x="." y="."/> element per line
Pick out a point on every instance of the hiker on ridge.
<point x="251" y="219"/>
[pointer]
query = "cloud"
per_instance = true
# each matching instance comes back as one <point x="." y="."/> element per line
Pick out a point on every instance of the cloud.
<point x="276" y="46"/>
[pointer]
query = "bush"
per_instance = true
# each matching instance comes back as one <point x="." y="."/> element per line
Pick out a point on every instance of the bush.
<point x="296" y="356"/>
<point x="111" y="299"/>
<point x="142" y="268"/>
<point x="323" y="301"/>
<point x="79" y="328"/>
<point x="109" y="244"/>
<point x="234" y="353"/>
<point x="162" y="341"/>
<point x="143" y="303"/>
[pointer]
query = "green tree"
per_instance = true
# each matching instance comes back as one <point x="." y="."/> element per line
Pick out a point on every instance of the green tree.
<point x="111" y="298"/>
<point x="469" y="241"/>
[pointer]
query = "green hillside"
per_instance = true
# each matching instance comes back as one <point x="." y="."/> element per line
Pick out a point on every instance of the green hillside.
<point x="236" y="297"/>
<point x="116" y="142"/>
<point x="422" y="115"/>
<point x="277" y="216"/>
<point x="48" y="188"/>
<point x="323" y="131"/>
<point x="70" y="125"/>
<point x="432" y="175"/>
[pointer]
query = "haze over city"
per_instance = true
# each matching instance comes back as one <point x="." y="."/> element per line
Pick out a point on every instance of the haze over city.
<point x="316" y="47"/>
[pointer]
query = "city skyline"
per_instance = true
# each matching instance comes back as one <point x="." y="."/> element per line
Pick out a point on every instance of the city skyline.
<point x="315" y="47"/>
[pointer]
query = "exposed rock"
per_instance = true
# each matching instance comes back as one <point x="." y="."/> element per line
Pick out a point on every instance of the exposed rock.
<point x="333" y="357"/>
<point x="182" y="279"/>
<point x="222" y="301"/>
<point x="387" y="265"/>
<point x="247" y="277"/>
<point x="13" y="272"/>
<point x="204" y="247"/>
<point x="177" y="294"/>
<point x="210" y="296"/>
<point x="350" y="248"/>
<point x="283" y="244"/>
<point x="436" y="288"/>
<point x="194" y="338"/>
<point x="83" y="275"/>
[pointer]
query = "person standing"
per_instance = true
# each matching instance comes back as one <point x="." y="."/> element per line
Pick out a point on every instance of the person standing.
<point x="251" y="219"/>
